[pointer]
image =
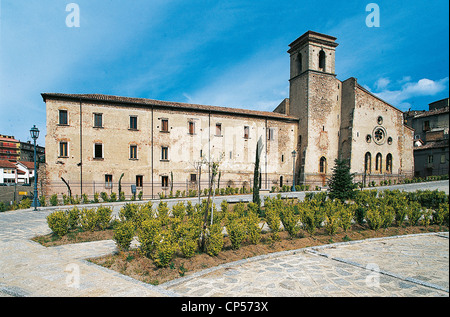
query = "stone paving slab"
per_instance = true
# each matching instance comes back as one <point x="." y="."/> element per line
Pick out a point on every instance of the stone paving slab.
<point x="414" y="265"/>
<point x="301" y="273"/>
<point x="423" y="258"/>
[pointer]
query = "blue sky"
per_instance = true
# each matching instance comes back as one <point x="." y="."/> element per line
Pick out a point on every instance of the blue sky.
<point x="224" y="53"/>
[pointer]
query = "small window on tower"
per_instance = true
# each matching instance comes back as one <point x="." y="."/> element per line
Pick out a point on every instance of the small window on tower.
<point x="322" y="60"/>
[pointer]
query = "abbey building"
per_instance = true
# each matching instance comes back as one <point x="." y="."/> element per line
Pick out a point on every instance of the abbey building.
<point x="93" y="141"/>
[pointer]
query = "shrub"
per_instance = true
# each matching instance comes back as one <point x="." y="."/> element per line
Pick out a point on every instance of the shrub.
<point x="346" y="215"/>
<point x="25" y="203"/>
<point x="144" y="212"/>
<point x="85" y="199"/>
<point x="54" y="200"/>
<point x="113" y="197"/>
<point x="332" y="216"/>
<point x="104" y="197"/>
<point x="147" y="233"/>
<point x="164" y="250"/>
<point x="224" y="206"/>
<point x="163" y="213"/>
<point x="273" y="221"/>
<point x="414" y="212"/>
<point x="387" y="214"/>
<point x="189" y="209"/>
<point x="188" y="247"/>
<point x="3" y="206"/>
<point x="290" y="221"/>
<point x="179" y="210"/>
<point x="440" y="214"/>
<point x="104" y="217"/>
<point x="427" y="216"/>
<point x="128" y="212"/>
<point x="253" y="230"/>
<point x="123" y="235"/>
<point x="74" y="217"/>
<point x="188" y="234"/>
<point x="96" y="198"/>
<point x="236" y="231"/>
<point x="88" y="219"/>
<point x="214" y="240"/>
<point x="360" y="214"/>
<point x="374" y="219"/>
<point x="58" y="222"/>
<point x="307" y="217"/>
<point x="42" y="200"/>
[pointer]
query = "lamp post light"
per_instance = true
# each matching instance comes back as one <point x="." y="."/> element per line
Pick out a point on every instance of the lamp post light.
<point x="35" y="135"/>
<point x="294" y="154"/>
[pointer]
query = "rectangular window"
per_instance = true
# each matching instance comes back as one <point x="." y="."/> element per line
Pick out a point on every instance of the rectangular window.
<point x="218" y="129"/>
<point x="430" y="158"/>
<point x="164" y="181"/>
<point x="164" y="153"/>
<point x="133" y="152"/>
<point x="165" y="125"/>
<point x="246" y="132"/>
<point x="63" y="117"/>
<point x="98" y="120"/>
<point x="63" y="149"/>
<point x="139" y="180"/>
<point x="191" y="127"/>
<point x="271" y="134"/>
<point x="133" y="123"/>
<point x="98" y="151"/>
<point x="108" y="181"/>
<point x="426" y="125"/>
<point x="194" y="178"/>
<point x="442" y="158"/>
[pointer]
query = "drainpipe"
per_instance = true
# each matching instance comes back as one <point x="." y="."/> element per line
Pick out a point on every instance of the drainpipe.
<point x="81" y="148"/>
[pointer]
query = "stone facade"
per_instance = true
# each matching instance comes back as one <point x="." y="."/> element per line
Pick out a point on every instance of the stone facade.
<point x="157" y="145"/>
<point x="93" y="139"/>
<point x="341" y="119"/>
<point x="431" y="153"/>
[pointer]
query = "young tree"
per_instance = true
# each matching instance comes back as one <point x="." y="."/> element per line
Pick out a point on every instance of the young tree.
<point x="341" y="182"/>
<point x="256" y="198"/>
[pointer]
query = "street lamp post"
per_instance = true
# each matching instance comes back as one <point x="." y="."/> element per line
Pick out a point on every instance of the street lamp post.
<point x="35" y="135"/>
<point x="294" y="154"/>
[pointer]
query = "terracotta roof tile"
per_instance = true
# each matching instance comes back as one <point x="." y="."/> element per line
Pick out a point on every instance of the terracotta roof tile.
<point x="179" y="105"/>
<point x="7" y="164"/>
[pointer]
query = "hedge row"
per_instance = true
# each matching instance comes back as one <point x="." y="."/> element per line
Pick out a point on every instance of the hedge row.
<point x="162" y="232"/>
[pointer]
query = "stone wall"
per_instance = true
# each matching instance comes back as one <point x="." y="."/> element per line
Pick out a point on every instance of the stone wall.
<point x="235" y="152"/>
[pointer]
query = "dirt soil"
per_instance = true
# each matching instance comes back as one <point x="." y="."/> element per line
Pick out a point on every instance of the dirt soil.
<point x="133" y="264"/>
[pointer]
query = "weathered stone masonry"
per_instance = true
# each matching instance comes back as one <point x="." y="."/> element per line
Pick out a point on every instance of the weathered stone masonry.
<point x="93" y="139"/>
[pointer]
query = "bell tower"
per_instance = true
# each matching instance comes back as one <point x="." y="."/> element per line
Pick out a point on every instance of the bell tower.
<point x="315" y="98"/>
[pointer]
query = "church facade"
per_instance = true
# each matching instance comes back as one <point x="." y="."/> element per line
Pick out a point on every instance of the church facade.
<point x="93" y="141"/>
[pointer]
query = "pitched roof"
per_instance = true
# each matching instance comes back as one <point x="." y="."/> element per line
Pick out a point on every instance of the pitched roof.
<point x="433" y="145"/>
<point x="165" y="104"/>
<point x="432" y="112"/>
<point x="7" y="164"/>
<point x="29" y="165"/>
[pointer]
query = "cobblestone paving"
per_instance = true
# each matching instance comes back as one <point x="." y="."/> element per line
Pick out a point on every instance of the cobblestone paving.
<point x="405" y="266"/>
<point x="308" y="272"/>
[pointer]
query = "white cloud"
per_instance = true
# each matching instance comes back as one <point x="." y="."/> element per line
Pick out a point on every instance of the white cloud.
<point x="382" y="83"/>
<point x="400" y="97"/>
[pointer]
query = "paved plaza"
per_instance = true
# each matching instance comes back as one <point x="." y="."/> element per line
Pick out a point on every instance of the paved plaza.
<point x="415" y="265"/>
